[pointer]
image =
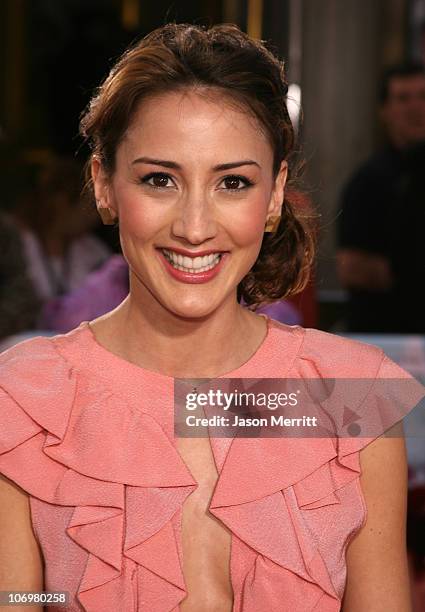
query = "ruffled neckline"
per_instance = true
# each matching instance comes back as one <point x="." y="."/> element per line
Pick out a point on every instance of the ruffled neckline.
<point x="253" y="472"/>
<point x="249" y="367"/>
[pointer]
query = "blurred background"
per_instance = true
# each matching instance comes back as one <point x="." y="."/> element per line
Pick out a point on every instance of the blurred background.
<point x="357" y="101"/>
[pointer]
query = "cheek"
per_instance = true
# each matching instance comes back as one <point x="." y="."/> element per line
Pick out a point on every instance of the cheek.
<point x="139" y="218"/>
<point x="248" y="227"/>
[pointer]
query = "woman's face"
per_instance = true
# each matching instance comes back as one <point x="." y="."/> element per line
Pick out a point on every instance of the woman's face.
<point x="192" y="189"/>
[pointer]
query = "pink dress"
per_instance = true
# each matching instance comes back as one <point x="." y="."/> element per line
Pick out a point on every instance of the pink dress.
<point x="90" y="437"/>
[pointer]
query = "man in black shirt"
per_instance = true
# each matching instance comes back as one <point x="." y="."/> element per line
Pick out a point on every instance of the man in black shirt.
<point x="381" y="227"/>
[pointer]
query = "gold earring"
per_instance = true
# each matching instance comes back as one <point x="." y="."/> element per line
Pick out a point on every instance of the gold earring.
<point x="106" y="215"/>
<point x="272" y="224"/>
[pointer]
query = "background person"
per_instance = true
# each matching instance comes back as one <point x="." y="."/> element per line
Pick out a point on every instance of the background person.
<point x="55" y="230"/>
<point x="19" y="303"/>
<point x="381" y="258"/>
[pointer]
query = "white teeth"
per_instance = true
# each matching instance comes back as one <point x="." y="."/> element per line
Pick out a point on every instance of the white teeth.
<point x="192" y="264"/>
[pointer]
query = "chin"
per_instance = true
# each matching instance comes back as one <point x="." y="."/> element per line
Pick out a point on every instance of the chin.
<point x="188" y="305"/>
<point x="192" y="310"/>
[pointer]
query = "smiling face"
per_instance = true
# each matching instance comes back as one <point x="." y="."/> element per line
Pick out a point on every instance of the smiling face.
<point x="192" y="187"/>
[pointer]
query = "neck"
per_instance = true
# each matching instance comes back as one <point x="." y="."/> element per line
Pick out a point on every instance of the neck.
<point x="157" y="339"/>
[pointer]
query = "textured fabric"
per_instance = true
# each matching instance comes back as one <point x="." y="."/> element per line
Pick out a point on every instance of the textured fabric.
<point x="90" y="437"/>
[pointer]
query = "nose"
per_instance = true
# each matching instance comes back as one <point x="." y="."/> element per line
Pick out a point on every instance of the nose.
<point x="195" y="220"/>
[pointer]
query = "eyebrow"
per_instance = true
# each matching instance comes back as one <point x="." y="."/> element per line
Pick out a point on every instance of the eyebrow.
<point x="175" y="166"/>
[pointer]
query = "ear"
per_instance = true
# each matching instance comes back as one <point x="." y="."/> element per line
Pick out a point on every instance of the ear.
<point x="278" y="193"/>
<point x="101" y="185"/>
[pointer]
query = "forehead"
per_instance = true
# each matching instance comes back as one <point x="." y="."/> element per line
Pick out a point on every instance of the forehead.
<point x="406" y="84"/>
<point x="202" y="122"/>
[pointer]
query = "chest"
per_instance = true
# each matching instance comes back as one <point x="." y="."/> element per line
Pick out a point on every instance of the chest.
<point x="206" y="541"/>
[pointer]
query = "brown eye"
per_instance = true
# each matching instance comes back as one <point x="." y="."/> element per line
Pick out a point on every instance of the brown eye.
<point x="157" y="180"/>
<point x="232" y="182"/>
<point x="160" y="180"/>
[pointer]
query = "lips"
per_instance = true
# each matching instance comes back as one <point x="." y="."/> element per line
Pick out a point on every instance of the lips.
<point x="197" y="268"/>
<point x="192" y="264"/>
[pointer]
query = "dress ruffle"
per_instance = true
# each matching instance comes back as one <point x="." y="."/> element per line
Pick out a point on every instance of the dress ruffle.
<point x="67" y="440"/>
<point x="58" y="449"/>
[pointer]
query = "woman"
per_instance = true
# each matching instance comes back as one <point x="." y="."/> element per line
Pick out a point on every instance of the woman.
<point x="190" y="140"/>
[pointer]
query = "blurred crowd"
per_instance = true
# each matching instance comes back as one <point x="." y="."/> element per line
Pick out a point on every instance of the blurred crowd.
<point x="54" y="271"/>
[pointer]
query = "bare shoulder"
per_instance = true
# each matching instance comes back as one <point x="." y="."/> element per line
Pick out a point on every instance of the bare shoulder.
<point x="377" y="568"/>
<point x="21" y="564"/>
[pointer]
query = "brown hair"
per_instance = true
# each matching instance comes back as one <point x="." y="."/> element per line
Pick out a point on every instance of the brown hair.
<point x="178" y="56"/>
